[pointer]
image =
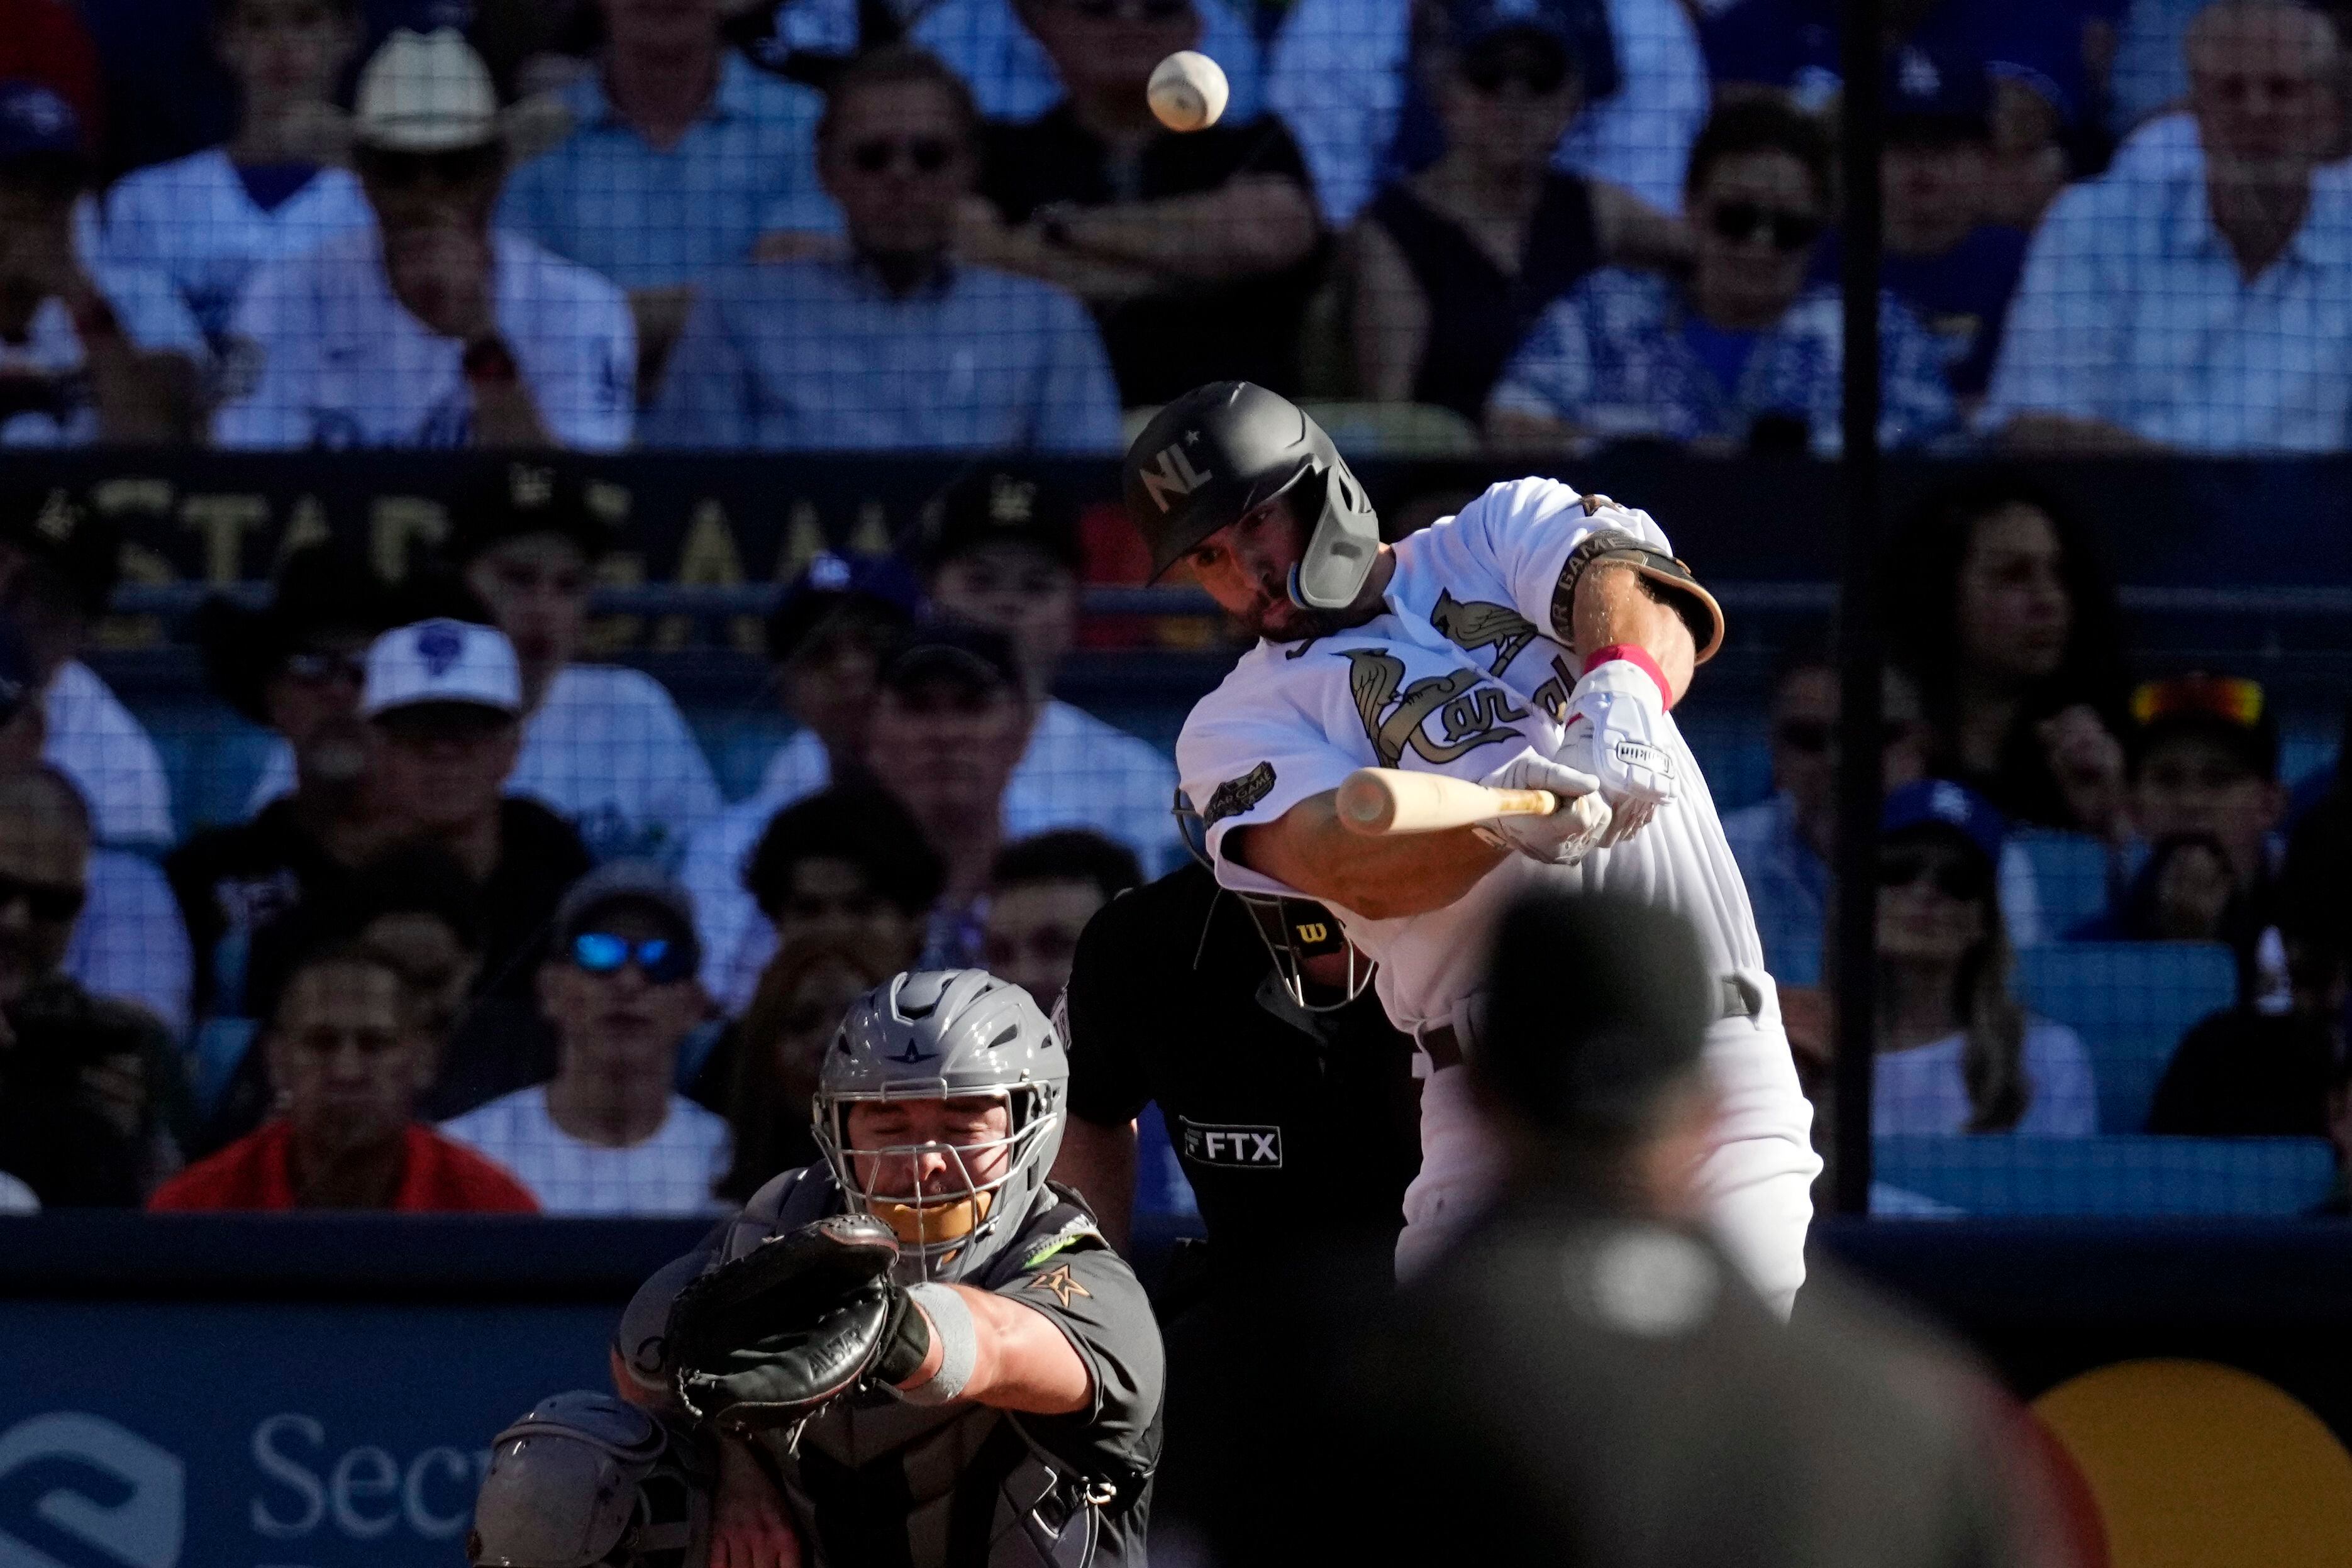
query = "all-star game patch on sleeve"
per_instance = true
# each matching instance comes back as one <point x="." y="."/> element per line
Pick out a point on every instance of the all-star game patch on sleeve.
<point x="1090" y="1294"/>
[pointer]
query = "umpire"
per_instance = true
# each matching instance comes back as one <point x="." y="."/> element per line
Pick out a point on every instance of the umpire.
<point x="1585" y="1379"/>
<point x="1285" y="1092"/>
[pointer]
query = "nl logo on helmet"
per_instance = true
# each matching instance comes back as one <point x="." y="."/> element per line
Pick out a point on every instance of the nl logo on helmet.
<point x="1172" y="473"/>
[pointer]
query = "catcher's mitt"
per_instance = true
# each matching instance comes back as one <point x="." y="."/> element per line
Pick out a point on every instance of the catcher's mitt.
<point x="773" y="1337"/>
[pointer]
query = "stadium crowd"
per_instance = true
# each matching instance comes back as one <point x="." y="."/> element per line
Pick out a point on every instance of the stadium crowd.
<point x="806" y="224"/>
<point x="490" y="936"/>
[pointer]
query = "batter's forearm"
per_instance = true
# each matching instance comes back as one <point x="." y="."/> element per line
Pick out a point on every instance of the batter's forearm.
<point x="1613" y="605"/>
<point x="1383" y="878"/>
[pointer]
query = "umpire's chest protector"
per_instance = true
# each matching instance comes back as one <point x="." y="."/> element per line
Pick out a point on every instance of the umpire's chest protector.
<point x="874" y="1481"/>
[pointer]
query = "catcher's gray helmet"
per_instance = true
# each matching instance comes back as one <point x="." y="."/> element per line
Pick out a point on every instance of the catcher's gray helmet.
<point x="945" y="1034"/>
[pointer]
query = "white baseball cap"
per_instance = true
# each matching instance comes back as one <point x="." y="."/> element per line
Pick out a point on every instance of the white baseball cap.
<point x="426" y="93"/>
<point x="441" y="662"/>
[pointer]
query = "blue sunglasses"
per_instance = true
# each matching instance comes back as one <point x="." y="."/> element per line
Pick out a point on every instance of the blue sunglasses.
<point x="660" y="960"/>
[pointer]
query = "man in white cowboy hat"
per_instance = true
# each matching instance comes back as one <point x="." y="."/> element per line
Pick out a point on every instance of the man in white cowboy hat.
<point x="431" y="329"/>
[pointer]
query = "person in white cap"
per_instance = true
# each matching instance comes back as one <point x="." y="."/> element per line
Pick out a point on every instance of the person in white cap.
<point x="444" y="700"/>
<point x="431" y="329"/>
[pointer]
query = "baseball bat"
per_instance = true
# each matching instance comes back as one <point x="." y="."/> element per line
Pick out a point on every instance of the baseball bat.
<point x="1375" y="801"/>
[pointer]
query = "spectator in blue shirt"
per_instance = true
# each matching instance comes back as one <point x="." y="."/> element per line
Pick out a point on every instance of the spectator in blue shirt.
<point x="1951" y="267"/>
<point x="896" y="346"/>
<point x="2034" y="50"/>
<point x="683" y="155"/>
<point x="2202" y="305"/>
<point x="1745" y="354"/>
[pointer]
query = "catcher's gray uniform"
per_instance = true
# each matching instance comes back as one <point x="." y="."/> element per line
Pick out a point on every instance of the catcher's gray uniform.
<point x="874" y="1480"/>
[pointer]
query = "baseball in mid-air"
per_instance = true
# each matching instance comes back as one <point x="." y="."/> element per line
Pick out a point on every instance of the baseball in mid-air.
<point x="1188" y="91"/>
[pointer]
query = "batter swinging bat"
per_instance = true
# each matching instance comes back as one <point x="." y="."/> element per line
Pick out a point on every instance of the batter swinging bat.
<point x="1376" y="800"/>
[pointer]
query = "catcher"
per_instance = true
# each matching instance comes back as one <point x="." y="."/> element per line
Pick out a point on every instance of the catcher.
<point x="917" y="1352"/>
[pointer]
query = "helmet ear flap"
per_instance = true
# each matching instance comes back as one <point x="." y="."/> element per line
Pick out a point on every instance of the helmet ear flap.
<point x="1340" y="551"/>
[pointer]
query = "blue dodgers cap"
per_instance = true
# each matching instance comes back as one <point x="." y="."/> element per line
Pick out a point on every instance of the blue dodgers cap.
<point x="35" y="122"/>
<point x="1581" y="28"/>
<point x="878" y="588"/>
<point x="1940" y="803"/>
<point x="1934" y="93"/>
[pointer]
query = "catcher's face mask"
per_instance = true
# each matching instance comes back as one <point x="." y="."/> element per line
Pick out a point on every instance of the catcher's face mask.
<point x="931" y="1168"/>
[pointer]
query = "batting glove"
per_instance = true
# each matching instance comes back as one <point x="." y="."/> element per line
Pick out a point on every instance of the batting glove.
<point x="1575" y="824"/>
<point x="1615" y="717"/>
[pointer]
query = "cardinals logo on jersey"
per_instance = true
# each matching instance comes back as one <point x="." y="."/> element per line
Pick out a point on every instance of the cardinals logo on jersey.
<point x="1471" y="713"/>
<point x="1471" y="624"/>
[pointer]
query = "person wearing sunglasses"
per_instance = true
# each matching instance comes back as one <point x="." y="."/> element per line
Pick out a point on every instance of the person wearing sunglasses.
<point x="93" y="1108"/>
<point x="905" y="343"/>
<point x="295" y="666"/>
<point x="1745" y="354"/>
<point x="1956" y="1053"/>
<point x="1197" y="251"/>
<point x="1449" y="266"/>
<point x="429" y="327"/>
<point x="608" y="1134"/>
<point x="2203" y="792"/>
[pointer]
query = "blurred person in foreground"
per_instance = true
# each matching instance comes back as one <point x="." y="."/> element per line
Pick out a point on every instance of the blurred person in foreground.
<point x="59" y="562"/>
<point x="1785" y="844"/>
<point x="778" y="1050"/>
<point x="90" y="351"/>
<point x="2202" y="791"/>
<point x="680" y="155"/>
<point x="1956" y="1053"/>
<point x="899" y="345"/>
<point x="92" y="1105"/>
<point x="427" y="326"/>
<point x="349" y="1054"/>
<point x="1585" y="1373"/>
<point x="1747" y="354"/>
<point x="1042" y="891"/>
<point x="129" y="942"/>
<point x="1195" y="250"/>
<point x="2200" y="305"/>
<point x="296" y="667"/>
<point x="1451" y="265"/>
<point x="279" y="185"/>
<point x="2002" y="609"/>
<point x="608" y="1134"/>
<point x="603" y="745"/>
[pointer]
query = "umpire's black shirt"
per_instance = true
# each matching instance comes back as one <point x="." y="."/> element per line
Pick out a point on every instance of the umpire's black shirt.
<point x="1289" y="1124"/>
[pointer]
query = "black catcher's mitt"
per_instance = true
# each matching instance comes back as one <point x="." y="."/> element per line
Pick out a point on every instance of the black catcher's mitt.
<point x="773" y="1337"/>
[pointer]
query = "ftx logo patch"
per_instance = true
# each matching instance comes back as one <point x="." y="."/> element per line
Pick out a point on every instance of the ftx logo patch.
<point x="1233" y="1148"/>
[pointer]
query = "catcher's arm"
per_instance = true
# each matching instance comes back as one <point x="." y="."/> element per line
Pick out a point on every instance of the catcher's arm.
<point x="1022" y="1362"/>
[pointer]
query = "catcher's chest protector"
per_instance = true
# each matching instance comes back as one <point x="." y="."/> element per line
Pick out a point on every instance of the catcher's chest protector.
<point x="876" y="1482"/>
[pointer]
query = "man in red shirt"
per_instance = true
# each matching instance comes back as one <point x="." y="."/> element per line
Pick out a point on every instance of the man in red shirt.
<point x="348" y="1058"/>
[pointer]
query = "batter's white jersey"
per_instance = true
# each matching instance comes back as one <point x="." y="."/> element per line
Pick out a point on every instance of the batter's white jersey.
<point x="1457" y="675"/>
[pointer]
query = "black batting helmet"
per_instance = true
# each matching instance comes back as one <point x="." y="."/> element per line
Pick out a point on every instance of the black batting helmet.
<point x="1222" y="449"/>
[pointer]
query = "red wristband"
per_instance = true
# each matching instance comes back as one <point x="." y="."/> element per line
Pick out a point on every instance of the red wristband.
<point x="1639" y="657"/>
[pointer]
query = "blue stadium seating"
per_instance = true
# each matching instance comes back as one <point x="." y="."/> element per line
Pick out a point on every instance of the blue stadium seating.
<point x="2110" y="1177"/>
<point x="2070" y="874"/>
<point x="2131" y="1002"/>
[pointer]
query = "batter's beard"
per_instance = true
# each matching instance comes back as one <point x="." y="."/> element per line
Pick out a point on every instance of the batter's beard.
<point x="1300" y="625"/>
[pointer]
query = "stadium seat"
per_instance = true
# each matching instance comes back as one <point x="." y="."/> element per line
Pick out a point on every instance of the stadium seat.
<point x="2070" y="872"/>
<point x="2110" y="1177"/>
<point x="2131" y="1002"/>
